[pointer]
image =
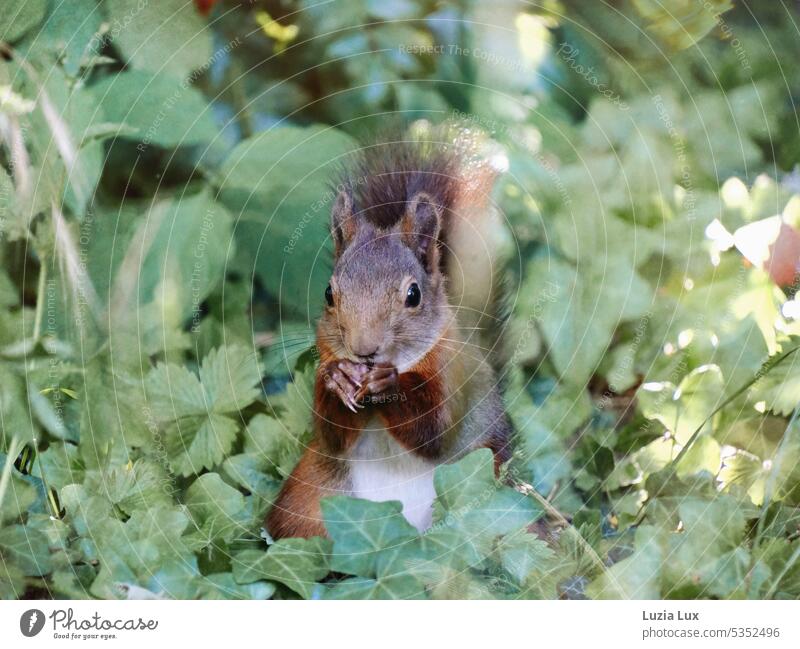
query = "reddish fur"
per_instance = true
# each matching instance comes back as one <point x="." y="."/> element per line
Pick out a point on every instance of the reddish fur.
<point x="337" y="427"/>
<point x="296" y="511"/>
<point x="420" y="421"/>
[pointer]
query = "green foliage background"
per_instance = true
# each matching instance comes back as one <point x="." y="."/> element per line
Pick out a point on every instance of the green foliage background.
<point x="163" y="215"/>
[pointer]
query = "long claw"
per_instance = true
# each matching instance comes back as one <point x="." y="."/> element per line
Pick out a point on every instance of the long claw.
<point x="353" y="372"/>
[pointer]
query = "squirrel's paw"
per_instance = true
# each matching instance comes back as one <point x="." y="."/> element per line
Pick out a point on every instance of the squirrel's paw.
<point x="344" y="378"/>
<point x="378" y="380"/>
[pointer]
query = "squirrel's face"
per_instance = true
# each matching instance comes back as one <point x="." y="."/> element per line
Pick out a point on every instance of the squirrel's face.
<point x="386" y="302"/>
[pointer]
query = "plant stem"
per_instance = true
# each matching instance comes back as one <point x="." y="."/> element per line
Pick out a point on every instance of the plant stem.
<point x="37" y="318"/>
<point x="5" y="478"/>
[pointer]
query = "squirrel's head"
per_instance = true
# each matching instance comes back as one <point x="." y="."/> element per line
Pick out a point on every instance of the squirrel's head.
<point x="386" y="300"/>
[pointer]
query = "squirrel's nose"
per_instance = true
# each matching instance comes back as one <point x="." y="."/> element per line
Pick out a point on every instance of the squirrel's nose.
<point x="363" y="349"/>
<point x="366" y="356"/>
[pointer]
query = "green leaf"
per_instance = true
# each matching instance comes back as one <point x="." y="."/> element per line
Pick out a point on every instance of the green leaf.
<point x="684" y="409"/>
<point x="215" y="508"/>
<point x="438" y="549"/>
<point x="20" y="495"/>
<point x="706" y="559"/>
<point x="19" y="16"/>
<point x="27" y="548"/>
<point x="69" y="172"/>
<point x="197" y="443"/>
<point x="145" y="552"/>
<point x="223" y="586"/>
<point x="469" y="499"/>
<point x="163" y="111"/>
<point x="279" y="181"/>
<point x="229" y="376"/>
<point x="779" y="387"/>
<point x="61" y="464"/>
<point x="69" y="31"/>
<point x="174" y="260"/>
<point x="296" y="563"/>
<point x="165" y="36"/>
<point x="637" y="576"/>
<point x="268" y="440"/>
<point x="253" y="474"/>
<point x="584" y="310"/>
<point x="361" y="529"/>
<point x="464" y="485"/>
<point x="199" y="434"/>
<point x="681" y="24"/>
<point x="523" y="554"/>
<point x="226" y="384"/>
<point x="135" y="487"/>
<point x="392" y="587"/>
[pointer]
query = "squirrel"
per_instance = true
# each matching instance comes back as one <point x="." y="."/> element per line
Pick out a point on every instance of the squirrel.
<point x="401" y="386"/>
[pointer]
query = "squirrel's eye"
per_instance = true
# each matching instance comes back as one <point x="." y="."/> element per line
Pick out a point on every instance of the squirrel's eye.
<point x="329" y="295"/>
<point x="413" y="295"/>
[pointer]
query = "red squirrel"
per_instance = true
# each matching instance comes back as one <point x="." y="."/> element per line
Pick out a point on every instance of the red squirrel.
<point x="402" y="385"/>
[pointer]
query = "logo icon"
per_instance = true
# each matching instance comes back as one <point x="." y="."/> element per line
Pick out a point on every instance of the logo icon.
<point x="31" y="622"/>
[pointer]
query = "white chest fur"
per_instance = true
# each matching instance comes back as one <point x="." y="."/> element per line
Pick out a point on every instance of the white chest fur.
<point x="381" y="469"/>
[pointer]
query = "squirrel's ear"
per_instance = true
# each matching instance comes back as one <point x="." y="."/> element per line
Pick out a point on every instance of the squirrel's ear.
<point x="343" y="225"/>
<point x="420" y="228"/>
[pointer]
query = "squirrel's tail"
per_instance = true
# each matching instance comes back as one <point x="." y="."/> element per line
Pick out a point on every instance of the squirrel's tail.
<point x="476" y="243"/>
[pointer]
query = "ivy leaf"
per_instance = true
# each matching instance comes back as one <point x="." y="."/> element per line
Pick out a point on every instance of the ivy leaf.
<point x="296" y="563"/>
<point x="391" y="587"/>
<point x="470" y="501"/>
<point x="438" y="556"/>
<point x="223" y="586"/>
<point x="361" y="530"/>
<point x="463" y="485"/>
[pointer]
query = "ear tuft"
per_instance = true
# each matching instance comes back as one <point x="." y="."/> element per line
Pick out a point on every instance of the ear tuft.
<point x="421" y="224"/>
<point x="343" y="226"/>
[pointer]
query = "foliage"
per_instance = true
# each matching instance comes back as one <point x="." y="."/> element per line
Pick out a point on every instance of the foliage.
<point x="164" y="195"/>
